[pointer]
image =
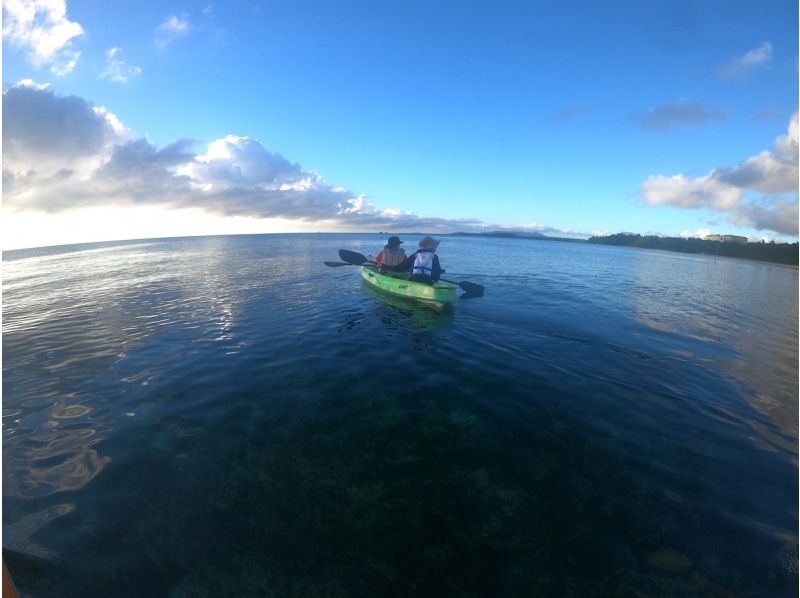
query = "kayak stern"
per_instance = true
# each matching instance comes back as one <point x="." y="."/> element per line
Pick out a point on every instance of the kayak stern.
<point x="441" y="292"/>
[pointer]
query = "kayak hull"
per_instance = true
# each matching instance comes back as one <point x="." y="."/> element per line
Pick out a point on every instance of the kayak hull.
<point x="441" y="292"/>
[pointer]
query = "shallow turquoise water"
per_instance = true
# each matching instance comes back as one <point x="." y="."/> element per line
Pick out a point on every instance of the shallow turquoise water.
<point x="228" y="416"/>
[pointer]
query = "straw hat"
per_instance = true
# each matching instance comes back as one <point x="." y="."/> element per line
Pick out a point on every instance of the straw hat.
<point x="428" y="243"/>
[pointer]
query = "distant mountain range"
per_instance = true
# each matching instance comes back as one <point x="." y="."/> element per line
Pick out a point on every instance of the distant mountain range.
<point x="516" y="235"/>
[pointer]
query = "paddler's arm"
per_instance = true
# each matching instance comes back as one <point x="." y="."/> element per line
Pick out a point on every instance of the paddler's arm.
<point x="437" y="269"/>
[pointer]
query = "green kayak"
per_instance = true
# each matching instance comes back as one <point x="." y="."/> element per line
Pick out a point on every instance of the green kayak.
<point x="441" y="292"/>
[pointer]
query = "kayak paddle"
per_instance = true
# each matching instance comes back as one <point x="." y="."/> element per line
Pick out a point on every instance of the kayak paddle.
<point x="356" y="259"/>
<point x="353" y="258"/>
<point x="470" y="288"/>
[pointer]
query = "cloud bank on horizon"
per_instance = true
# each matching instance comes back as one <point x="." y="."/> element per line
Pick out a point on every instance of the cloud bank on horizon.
<point x="63" y="153"/>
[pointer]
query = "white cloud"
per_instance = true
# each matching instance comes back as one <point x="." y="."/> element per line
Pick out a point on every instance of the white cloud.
<point x="44" y="134"/>
<point x="117" y="70"/>
<point x="683" y="192"/>
<point x="235" y="161"/>
<point x="773" y="173"/>
<point x="764" y="239"/>
<point x="780" y="216"/>
<point x="42" y="29"/>
<point x="33" y="84"/>
<point x="172" y="29"/>
<point x="698" y="234"/>
<point x="64" y="63"/>
<point x="62" y="154"/>
<point x="739" y="67"/>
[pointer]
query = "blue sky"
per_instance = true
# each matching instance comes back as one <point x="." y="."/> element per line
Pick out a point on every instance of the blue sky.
<point x="568" y="118"/>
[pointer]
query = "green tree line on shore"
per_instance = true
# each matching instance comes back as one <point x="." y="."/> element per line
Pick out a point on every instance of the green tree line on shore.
<point x="781" y="253"/>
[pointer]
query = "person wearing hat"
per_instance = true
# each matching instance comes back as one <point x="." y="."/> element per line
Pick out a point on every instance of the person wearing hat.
<point x="424" y="263"/>
<point x="393" y="257"/>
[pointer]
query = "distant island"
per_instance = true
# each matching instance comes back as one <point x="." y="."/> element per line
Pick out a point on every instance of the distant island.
<point x="781" y="253"/>
<point x="724" y="245"/>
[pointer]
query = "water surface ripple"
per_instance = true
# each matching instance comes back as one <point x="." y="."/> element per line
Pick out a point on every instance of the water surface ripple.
<point x="227" y="416"/>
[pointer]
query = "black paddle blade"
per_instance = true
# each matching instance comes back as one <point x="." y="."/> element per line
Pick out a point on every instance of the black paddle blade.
<point x="352" y="257"/>
<point x="337" y="264"/>
<point x="472" y="289"/>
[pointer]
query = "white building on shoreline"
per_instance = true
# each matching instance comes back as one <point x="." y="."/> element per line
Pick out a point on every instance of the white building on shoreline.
<point x="727" y="239"/>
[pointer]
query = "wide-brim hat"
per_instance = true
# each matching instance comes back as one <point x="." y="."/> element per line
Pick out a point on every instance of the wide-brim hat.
<point x="428" y="243"/>
<point x="394" y="241"/>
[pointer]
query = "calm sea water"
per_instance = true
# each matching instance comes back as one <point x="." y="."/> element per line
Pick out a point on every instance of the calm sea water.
<point x="226" y="416"/>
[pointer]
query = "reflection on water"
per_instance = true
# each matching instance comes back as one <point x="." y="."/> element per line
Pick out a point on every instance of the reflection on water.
<point x="17" y="536"/>
<point x="403" y="312"/>
<point x="721" y="304"/>
<point x="604" y="421"/>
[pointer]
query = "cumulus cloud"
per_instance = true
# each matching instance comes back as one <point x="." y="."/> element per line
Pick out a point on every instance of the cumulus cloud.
<point x="63" y="153"/>
<point x="45" y="132"/>
<point x="701" y="233"/>
<point x="740" y="67"/>
<point x="768" y="214"/>
<point x="170" y="30"/>
<point x="684" y="192"/>
<point x="235" y="161"/>
<point x="672" y="115"/>
<point x="773" y="171"/>
<point x="117" y="70"/>
<point x="41" y="28"/>
<point x="734" y="190"/>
